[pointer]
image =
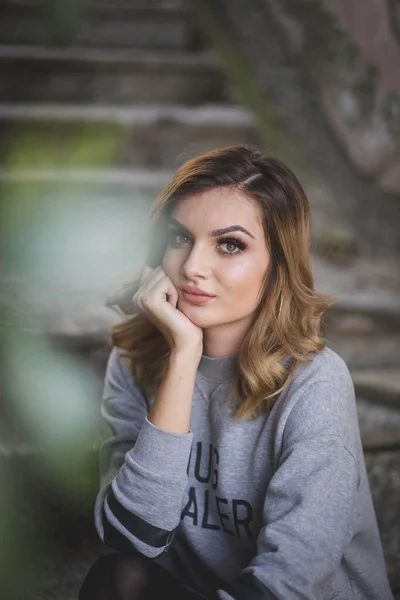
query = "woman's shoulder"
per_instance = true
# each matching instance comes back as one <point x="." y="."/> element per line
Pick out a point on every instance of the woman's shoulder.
<point x="119" y="373"/>
<point x="320" y="399"/>
<point x="326" y="366"/>
<point x="117" y="365"/>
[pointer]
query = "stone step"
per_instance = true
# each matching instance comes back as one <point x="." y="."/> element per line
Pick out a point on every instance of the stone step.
<point x="152" y="136"/>
<point x="381" y="386"/>
<point x="366" y="292"/>
<point x="366" y="335"/>
<point x="63" y="569"/>
<point x="134" y="188"/>
<point x="376" y="417"/>
<point x="98" y="24"/>
<point x="382" y="350"/>
<point x="117" y="179"/>
<point x="165" y="4"/>
<point x="382" y="440"/>
<point x="356" y="315"/>
<point x="102" y="75"/>
<point x="383" y="470"/>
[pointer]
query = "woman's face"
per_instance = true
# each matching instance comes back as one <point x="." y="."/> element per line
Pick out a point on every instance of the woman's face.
<point x="217" y="244"/>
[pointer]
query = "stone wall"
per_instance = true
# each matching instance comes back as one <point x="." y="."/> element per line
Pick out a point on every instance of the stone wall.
<point x="353" y="53"/>
<point x="308" y="69"/>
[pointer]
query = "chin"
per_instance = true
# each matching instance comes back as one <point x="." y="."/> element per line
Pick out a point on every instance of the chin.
<point x="197" y="315"/>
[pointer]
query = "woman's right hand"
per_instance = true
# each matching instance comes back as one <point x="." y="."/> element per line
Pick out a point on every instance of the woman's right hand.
<point x="157" y="298"/>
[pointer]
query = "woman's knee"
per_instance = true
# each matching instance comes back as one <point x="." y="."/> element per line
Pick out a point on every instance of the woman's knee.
<point x="115" y="577"/>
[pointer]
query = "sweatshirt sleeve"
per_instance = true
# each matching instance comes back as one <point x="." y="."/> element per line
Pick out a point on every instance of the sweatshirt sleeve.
<point x="307" y="511"/>
<point x="143" y="469"/>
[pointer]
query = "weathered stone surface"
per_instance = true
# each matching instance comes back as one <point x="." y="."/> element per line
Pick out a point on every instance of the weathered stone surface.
<point x="171" y="4"/>
<point x="118" y="76"/>
<point x="378" y="351"/>
<point x="384" y="476"/>
<point x="371" y="142"/>
<point x="377" y="418"/>
<point x="389" y="180"/>
<point x="381" y="440"/>
<point x="144" y="136"/>
<point x="104" y="25"/>
<point x="383" y="386"/>
<point x="351" y="52"/>
<point x="370" y="146"/>
<point x="254" y="27"/>
<point x="119" y="181"/>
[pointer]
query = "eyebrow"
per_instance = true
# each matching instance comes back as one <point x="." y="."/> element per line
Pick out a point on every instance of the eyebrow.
<point x="216" y="232"/>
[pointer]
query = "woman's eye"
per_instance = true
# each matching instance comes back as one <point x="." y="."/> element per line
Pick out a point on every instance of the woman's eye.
<point x="231" y="246"/>
<point x="178" y="238"/>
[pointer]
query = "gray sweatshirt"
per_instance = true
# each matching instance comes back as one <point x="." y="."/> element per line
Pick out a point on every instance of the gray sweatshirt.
<point x="278" y="507"/>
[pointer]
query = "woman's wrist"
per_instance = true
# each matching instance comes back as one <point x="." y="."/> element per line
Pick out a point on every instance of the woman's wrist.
<point x="173" y="403"/>
<point x="189" y="356"/>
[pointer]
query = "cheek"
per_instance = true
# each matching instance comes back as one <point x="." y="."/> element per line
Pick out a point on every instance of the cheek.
<point x="169" y="262"/>
<point x="244" y="279"/>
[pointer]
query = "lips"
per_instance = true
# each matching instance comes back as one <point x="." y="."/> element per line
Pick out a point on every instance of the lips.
<point x="195" y="295"/>
<point x="189" y="289"/>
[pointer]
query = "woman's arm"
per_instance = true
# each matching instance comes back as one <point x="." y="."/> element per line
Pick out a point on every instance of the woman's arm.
<point x="308" y="524"/>
<point x="142" y="466"/>
<point x="173" y="404"/>
<point x="308" y="508"/>
<point x="144" y="502"/>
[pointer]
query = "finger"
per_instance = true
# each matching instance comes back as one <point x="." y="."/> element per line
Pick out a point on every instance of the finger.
<point x="155" y="276"/>
<point x="149" y="278"/>
<point x="163" y="289"/>
<point x="172" y="293"/>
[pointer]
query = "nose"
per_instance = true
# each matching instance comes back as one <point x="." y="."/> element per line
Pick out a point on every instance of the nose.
<point x="197" y="263"/>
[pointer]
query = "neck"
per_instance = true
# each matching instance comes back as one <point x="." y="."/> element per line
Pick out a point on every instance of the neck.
<point x="224" y="340"/>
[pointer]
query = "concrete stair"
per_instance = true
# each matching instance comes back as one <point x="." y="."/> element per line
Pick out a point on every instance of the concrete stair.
<point x="103" y="75"/>
<point x="163" y="26"/>
<point x="384" y="383"/>
<point x="145" y="136"/>
<point x="92" y="125"/>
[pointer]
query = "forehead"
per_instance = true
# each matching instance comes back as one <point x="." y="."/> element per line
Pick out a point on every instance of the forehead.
<point x="218" y="208"/>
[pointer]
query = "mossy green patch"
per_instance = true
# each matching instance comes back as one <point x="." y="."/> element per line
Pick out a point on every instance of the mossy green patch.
<point x="63" y="19"/>
<point x="46" y="144"/>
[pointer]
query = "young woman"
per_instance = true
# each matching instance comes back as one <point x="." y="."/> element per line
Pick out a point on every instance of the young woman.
<point x="234" y="467"/>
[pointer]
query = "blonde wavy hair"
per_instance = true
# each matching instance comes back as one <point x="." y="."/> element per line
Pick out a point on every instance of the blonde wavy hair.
<point x="287" y="322"/>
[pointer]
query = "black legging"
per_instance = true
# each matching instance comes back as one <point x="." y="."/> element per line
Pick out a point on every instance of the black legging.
<point x="118" y="576"/>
